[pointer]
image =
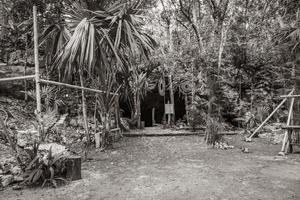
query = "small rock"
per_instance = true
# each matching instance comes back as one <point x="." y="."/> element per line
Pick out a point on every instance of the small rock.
<point x="1" y="171"/>
<point x="17" y="187"/>
<point x="245" y="150"/>
<point x="114" y="152"/>
<point x="6" y="180"/>
<point x="6" y="168"/>
<point x="18" y="179"/>
<point x="15" y="170"/>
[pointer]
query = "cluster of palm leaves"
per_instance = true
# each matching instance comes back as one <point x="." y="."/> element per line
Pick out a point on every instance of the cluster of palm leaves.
<point x="92" y="39"/>
<point x="92" y="36"/>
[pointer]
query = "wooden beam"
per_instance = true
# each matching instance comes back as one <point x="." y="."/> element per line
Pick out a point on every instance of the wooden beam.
<point x="17" y="78"/>
<point x="267" y="119"/>
<point x="74" y="86"/>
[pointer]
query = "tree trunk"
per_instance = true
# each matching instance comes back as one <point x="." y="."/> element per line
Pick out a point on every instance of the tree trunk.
<point x="84" y="109"/>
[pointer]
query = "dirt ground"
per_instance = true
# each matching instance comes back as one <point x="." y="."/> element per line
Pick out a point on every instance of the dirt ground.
<point x="170" y="168"/>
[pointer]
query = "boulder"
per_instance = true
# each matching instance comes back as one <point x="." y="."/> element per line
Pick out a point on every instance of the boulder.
<point x="7" y="180"/>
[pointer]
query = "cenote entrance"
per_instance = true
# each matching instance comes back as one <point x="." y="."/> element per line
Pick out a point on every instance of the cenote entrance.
<point x="154" y="100"/>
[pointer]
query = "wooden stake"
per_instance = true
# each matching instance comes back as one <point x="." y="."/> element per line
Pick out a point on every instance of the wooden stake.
<point x="284" y="142"/>
<point x="153" y="116"/>
<point x="262" y="124"/>
<point x="37" y="68"/>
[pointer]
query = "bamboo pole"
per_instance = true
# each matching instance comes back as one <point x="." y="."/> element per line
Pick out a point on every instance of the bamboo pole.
<point x="262" y="124"/>
<point x="17" y="78"/>
<point x="25" y="67"/>
<point x="74" y="86"/>
<point x="290" y="96"/>
<point x="37" y="69"/>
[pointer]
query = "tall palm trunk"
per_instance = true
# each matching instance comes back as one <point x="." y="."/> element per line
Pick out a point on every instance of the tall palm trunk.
<point x="84" y="109"/>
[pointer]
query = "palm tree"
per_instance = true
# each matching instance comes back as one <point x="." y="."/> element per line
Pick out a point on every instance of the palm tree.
<point x="88" y="39"/>
<point x="139" y="87"/>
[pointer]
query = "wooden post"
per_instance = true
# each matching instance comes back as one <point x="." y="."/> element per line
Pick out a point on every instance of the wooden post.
<point x="186" y="109"/>
<point x="153" y="116"/>
<point x="25" y="67"/>
<point x="262" y="124"/>
<point x="172" y="116"/>
<point x="285" y="139"/>
<point x="37" y="69"/>
<point x="73" y="166"/>
<point x="117" y="112"/>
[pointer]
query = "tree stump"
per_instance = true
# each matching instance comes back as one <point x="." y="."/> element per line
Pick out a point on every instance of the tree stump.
<point x="73" y="166"/>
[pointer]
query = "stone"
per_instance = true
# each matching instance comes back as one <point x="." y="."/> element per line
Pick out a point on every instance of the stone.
<point x="55" y="148"/>
<point x="17" y="187"/>
<point x="7" y="167"/>
<point x="7" y="180"/>
<point x="245" y="150"/>
<point x="16" y="170"/>
<point x="18" y="179"/>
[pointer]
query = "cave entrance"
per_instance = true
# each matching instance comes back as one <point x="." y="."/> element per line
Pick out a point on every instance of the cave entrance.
<point x="154" y="100"/>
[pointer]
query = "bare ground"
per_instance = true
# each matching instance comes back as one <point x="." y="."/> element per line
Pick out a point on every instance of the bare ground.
<point x="170" y="168"/>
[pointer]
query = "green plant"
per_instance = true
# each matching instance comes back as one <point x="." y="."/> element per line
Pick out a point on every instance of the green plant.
<point x="43" y="169"/>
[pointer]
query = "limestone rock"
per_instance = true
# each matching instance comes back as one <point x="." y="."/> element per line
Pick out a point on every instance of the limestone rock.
<point x="7" y="180"/>
<point x="16" y="170"/>
<point x="18" y="179"/>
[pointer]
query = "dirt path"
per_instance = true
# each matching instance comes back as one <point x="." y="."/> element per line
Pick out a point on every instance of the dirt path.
<point x="170" y="168"/>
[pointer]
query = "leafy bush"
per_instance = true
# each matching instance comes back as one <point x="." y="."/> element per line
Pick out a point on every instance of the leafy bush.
<point x="43" y="169"/>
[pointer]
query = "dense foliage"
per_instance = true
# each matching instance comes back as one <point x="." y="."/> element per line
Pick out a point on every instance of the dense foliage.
<point x="237" y="55"/>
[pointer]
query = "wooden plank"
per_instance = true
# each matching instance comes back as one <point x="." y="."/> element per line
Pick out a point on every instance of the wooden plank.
<point x="17" y="78"/>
